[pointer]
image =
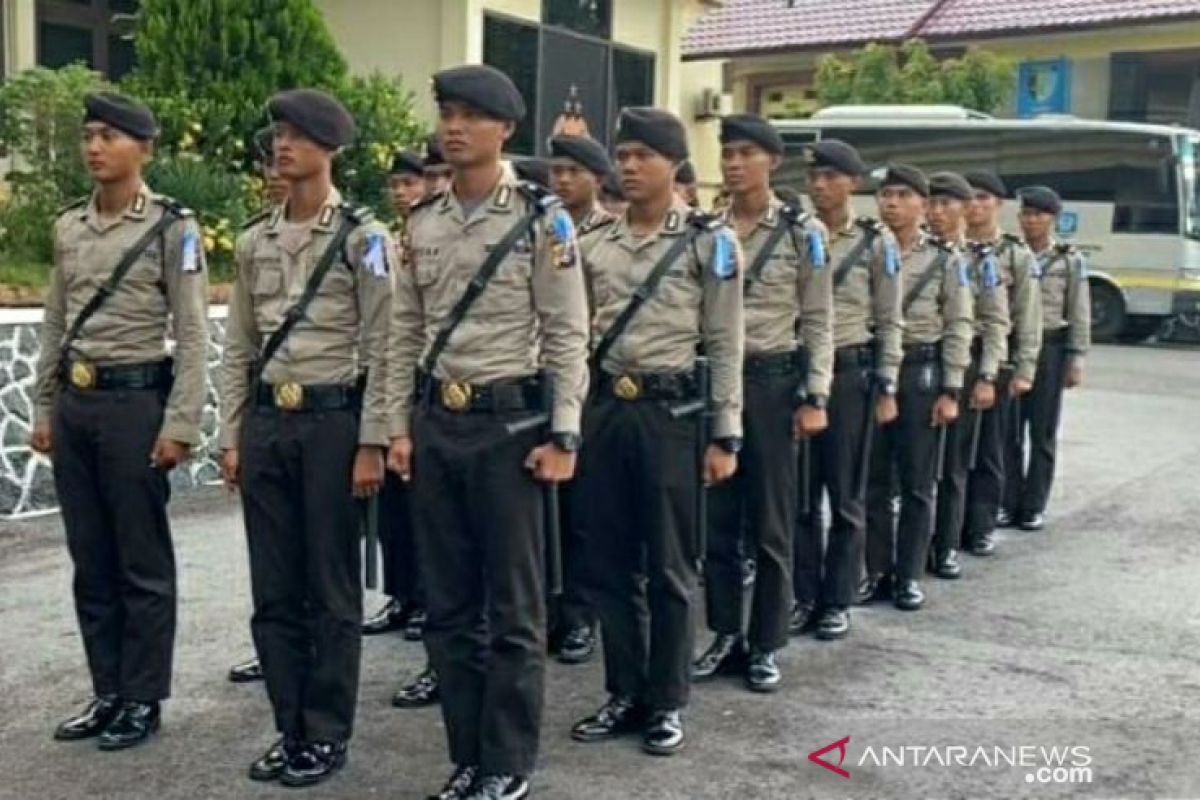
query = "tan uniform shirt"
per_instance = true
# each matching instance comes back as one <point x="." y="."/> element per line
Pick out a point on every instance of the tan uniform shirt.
<point x="691" y="306"/>
<point x="867" y="301"/>
<point x="1066" y="297"/>
<point x="940" y="308"/>
<point x="344" y="331"/>
<point x="164" y="293"/>
<point x="1018" y="274"/>
<point x="791" y="288"/>
<point x="992" y="323"/>
<point x="533" y="313"/>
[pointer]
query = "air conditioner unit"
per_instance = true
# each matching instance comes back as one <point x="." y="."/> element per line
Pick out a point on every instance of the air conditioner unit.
<point x="712" y="103"/>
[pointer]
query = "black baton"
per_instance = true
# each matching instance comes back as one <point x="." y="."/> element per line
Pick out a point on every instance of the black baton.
<point x="550" y="512"/>
<point x="868" y="435"/>
<point x="700" y="408"/>
<point x="369" y="508"/>
<point x="976" y="433"/>
<point x="940" y="457"/>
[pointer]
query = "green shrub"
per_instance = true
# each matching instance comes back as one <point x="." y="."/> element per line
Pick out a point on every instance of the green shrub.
<point x="386" y="123"/>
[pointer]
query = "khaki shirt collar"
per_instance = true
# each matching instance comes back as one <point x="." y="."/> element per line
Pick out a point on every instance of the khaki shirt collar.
<point x="849" y="228"/>
<point x="326" y="219"/>
<point x="137" y="210"/>
<point x="502" y="200"/>
<point x="767" y="220"/>
<point x="674" y="223"/>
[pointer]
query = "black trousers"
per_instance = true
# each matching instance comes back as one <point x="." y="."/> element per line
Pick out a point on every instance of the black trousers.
<point x="640" y="477"/>
<point x="478" y="513"/>
<point x="572" y="609"/>
<point x="114" y="507"/>
<point x="302" y="524"/>
<point x="397" y="540"/>
<point x="1027" y="488"/>
<point x="906" y="449"/>
<point x="952" y="490"/>
<point x="985" y="487"/>
<point x="827" y="573"/>
<point x="759" y="503"/>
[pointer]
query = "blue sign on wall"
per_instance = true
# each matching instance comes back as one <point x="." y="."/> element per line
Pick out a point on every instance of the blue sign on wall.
<point x="1044" y="87"/>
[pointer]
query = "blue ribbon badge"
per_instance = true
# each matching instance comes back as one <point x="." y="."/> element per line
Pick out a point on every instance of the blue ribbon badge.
<point x="724" y="261"/>
<point x="816" y="249"/>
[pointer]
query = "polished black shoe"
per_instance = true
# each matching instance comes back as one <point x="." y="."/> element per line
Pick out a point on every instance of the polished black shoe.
<point x="617" y="717"/>
<point x="414" y="631"/>
<point x="763" y="673"/>
<point x="909" y="596"/>
<point x="246" y="672"/>
<point x="132" y="725"/>
<point x="424" y="690"/>
<point x="833" y="623"/>
<point x="1033" y="522"/>
<point x="313" y="763"/>
<point x="459" y="785"/>
<point x="500" y="787"/>
<point x="90" y="722"/>
<point x="1005" y="519"/>
<point x="749" y="572"/>
<point x="874" y="588"/>
<point x="664" y="734"/>
<point x="803" y="618"/>
<point x="982" y="544"/>
<point x="270" y="765"/>
<point x="392" y="617"/>
<point x="725" y="656"/>
<point x="578" y="646"/>
<point x="945" y="564"/>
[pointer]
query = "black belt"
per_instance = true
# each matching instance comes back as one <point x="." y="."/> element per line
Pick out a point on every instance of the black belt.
<point x="922" y="353"/>
<point x="308" y="397"/>
<point x="649" y="385"/>
<point x="86" y="376"/>
<point x="771" y="365"/>
<point x="490" y="398"/>
<point x="1058" y="336"/>
<point x="854" y="356"/>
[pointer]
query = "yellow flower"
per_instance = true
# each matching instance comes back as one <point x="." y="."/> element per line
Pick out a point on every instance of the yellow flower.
<point x="225" y="242"/>
<point x="186" y="141"/>
<point x="209" y="243"/>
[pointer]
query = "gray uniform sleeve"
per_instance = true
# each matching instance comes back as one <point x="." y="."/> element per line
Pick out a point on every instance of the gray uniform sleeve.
<point x="991" y="309"/>
<point x="887" y="297"/>
<point x="187" y="295"/>
<point x="374" y="307"/>
<point x="958" y="321"/>
<point x="53" y="328"/>
<point x="724" y="335"/>
<point x="242" y="343"/>
<point x="1079" y="309"/>
<point x="1026" y="313"/>
<point x="560" y="298"/>
<point x="406" y="340"/>
<point x="815" y="289"/>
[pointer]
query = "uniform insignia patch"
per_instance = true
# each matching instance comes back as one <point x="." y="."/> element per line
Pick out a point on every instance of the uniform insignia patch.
<point x="816" y="249"/>
<point x="563" y="243"/>
<point x="375" y="257"/>
<point x="724" y="259"/>
<point x="891" y="259"/>
<point x="964" y="274"/>
<point x="326" y="216"/>
<point x="190" y="261"/>
<point x="989" y="271"/>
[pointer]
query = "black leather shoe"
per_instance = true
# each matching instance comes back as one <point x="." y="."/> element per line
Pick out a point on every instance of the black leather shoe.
<point x="909" y="596"/>
<point x="945" y="564"/>
<point x="90" y="722"/>
<point x="424" y="690"/>
<point x="725" y="656"/>
<point x="617" y="717"/>
<point x="459" y="785"/>
<point x="246" y="672"/>
<point x="500" y="787"/>
<point x="834" y="623"/>
<point x="270" y="765"/>
<point x="763" y="673"/>
<point x="132" y="725"/>
<point x="415" y="630"/>
<point x="982" y="544"/>
<point x="578" y="646"/>
<point x="803" y="618"/>
<point x="749" y="572"/>
<point x="313" y="763"/>
<point x="1033" y="522"/>
<point x="873" y="588"/>
<point x="664" y="734"/>
<point x="1005" y="519"/>
<point x="392" y="617"/>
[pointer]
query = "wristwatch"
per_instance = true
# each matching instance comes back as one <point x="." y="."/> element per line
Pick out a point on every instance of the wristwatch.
<point x="730" y="444"/>
<point x="887" y="388"/>
<point x="567" y="442"/>
<point x="987" y="377"/>
<point x="817" y="401"/>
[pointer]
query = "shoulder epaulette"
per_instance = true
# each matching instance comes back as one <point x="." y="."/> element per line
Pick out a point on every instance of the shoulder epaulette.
<point x="426" y="201"/>
<point x="795" y="215"/>
<point x="939" y="242"/>
<point x="359" y="215"/>
<point x="173" y="206"/>
<point x="257" y="218"/>
<point x="705" y="222"/>
<point x="1012" y="238"/>
<point x="871" y="225"/>
<point x="1065" y="249"/>
<point x="599" y="224"/>
<point x="74" y="204"/>
<point x="538" y="195"/>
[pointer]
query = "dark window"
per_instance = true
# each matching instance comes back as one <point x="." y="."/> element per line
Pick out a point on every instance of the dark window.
<point x="591" y="17"/>
<point x="633" y="79"/>
<point x="574" y="71"/>
<point x="1159" y="87"/>
<point x="513" y="48"/>
<point x="85" y="31"/>
<point x="60" y="45"/>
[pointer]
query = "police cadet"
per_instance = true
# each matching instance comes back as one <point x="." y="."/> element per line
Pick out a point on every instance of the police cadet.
<point x="867" y="292"/>
<point x="949" y="195"/>
<point x="664" y="281"/>
<point x="578" y="165"/>
<point x="492" y="292"/>
<point x="533" y="170"/>
<point x="303" y="430"/>
<point x="938" y="329"/>
<point x="437" y="171"/>
<point x="686" y="184"/>
<point x="1066" y="315"/>
<point x="612" y="197"/>
<point x="1018" y="274"/>
<point x="116" y="414"/>
<point x="788" y="290"/>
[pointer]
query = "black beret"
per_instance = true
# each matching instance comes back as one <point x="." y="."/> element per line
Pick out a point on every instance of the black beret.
<point x="906" y="175"/>
<point x="986" y="182"/>
<point x="834" y="154"/>
<point x="482" y="87"/>
<point x="433" y="153"/>
<point x="751" y="128"/>
<point x="1040" y="198"/>
<point x="406" y="161"/>
<point x="535" y="170"/>
<point x="121" y="112"/>
<point x="659" y="130"/>
<point x="950" y="184"/>
<point x="612" y="187"/>
<point x="686" y="174"/>
<point x="583" y="150"/>
<point x="317" y="115"/>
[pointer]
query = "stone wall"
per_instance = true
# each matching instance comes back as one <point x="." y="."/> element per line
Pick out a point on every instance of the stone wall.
<point x="26" y="484"/>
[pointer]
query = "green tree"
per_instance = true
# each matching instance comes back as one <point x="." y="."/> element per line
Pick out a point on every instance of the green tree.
<point x="876" y="74"/>
<point x="920" y="79"/>
<point x="386" y="123"/>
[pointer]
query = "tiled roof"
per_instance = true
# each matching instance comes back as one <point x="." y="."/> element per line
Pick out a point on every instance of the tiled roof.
<point x="750" y="26"/>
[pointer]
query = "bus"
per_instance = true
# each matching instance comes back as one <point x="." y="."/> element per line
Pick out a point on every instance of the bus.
<point x="1131" y="192"/>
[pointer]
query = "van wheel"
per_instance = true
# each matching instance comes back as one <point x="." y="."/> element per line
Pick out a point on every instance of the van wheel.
<point x="1108" y="312"/>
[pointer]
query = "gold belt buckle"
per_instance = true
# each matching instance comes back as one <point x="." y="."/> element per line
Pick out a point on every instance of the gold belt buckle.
<point x="626" y="388"/>
<point x="456" y="395"/>
<point x="83" y="375"/>
<point x="289" y="396"/>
